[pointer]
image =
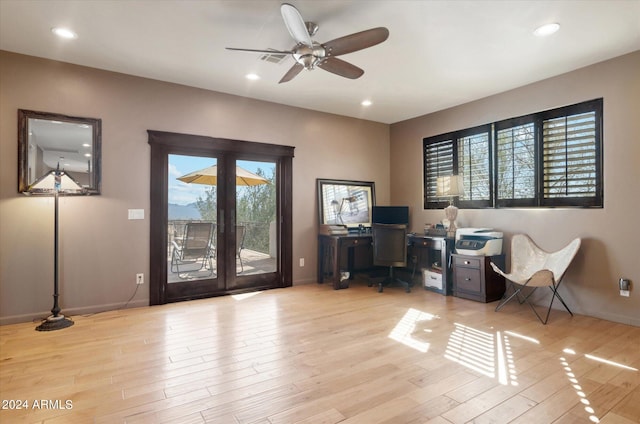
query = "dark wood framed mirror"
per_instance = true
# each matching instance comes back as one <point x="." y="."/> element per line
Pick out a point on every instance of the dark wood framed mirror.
<point x="48" y="140"/>
<point x="343" y="202"/>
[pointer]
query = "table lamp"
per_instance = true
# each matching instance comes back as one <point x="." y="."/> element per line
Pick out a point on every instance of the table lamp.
<point x="450" y="186"/>
<point x="55" y="182"/>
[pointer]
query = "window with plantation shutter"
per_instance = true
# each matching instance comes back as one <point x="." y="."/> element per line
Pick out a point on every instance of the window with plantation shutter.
<point x="546" y="159"/>
<point x="570" y="160"/>
<point x="515" y="159"/>
<point x="474" y="165"/>
<point x="466" y="153"/>
<point x="438" y="162"/>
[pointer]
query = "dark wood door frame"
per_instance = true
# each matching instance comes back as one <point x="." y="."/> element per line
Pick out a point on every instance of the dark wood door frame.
<point x="165" y="143"/>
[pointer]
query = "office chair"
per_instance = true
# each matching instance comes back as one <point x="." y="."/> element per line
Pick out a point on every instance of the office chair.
<point x="390" y="249"/>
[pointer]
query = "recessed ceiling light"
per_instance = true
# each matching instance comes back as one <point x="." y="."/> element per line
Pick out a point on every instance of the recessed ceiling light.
<point x="252" y="77"/>
<point x="64" y="33"/>
<point x="547" y="29"/>
<point x="366" y="103"/>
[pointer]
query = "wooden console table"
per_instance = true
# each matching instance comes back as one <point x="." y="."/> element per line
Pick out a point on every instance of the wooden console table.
<point x="346" y="253"/>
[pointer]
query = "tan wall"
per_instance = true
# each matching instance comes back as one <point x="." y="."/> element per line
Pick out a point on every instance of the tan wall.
<point x="101" y="250"/>
<point x="610" y="235"/>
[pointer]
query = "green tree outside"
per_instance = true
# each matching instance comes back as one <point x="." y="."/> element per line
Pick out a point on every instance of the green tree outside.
<point x="255" y="209"/>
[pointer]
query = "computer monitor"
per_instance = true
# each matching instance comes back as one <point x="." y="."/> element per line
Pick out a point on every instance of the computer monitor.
<point x="390" y="215"/>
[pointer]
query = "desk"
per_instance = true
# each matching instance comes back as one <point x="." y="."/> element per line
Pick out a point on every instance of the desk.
<point x="353" y="252"/>
<point x="338" y="254"/>
<point x="432" y="253"/>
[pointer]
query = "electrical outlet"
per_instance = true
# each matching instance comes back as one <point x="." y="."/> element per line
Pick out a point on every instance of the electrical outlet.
<point x="301" y="262"/>
<point x="139" y="278"/>
<point x="625" y="286"/>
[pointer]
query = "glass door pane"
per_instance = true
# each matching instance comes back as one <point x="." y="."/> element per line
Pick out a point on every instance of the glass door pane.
<point x="192" y="227"/>
<point x="218" y="263"/>
<point x="256" y="224"/>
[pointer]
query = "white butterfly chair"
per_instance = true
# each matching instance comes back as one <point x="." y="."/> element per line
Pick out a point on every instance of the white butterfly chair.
<point x="533" y="267"/>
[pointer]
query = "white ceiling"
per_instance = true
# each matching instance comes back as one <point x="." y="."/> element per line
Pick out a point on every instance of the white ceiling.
<point x="439" y="53"/>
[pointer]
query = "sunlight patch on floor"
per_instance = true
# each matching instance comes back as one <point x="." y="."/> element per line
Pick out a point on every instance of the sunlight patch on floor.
<point x="506" y="367"/>
<point x="244" y="296"/>
<point x="576" y="386"/>
<point x="406" y="330"/>
<point x="520" y="336"/>
<point x="608" y="362"/>
<point x="472" y="348"/>
<point x="487" y="353"/>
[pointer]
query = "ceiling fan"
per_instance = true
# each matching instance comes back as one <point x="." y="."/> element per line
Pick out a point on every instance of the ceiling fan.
<point x="310" y="54"/>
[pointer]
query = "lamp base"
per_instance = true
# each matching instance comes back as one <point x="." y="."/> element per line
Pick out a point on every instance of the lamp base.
<point x="54" y="323"/>
<point x="451" y="212"/>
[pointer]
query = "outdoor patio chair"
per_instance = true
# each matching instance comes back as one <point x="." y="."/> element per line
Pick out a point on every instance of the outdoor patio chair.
<point x="532" y="267"/>
<point x="241" y="231"/>
<point x="194" y="247"/>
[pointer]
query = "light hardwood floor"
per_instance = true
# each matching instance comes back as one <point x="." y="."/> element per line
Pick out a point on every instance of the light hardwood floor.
<point x="309" y="354"/>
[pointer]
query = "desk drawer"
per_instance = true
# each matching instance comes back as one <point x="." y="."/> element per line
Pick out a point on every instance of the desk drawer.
<point x="355" y="241"/>
<point x="467" y="262"/>
<point x="432" y="279"/>
<point x="428" y="244"/>
<point x="468" y="279"/>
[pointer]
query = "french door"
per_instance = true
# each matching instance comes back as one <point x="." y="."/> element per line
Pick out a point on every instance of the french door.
<point x="220" y="216"/>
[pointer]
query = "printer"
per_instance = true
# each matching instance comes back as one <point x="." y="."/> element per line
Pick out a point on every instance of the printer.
<point x="478" y="241"/>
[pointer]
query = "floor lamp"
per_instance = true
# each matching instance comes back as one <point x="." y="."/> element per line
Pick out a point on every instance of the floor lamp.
<point x="56" y="181"/>
<point x="450" y="186"/>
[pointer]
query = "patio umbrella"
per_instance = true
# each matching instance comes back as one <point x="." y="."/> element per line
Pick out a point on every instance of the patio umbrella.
<point x="209" y="176"/>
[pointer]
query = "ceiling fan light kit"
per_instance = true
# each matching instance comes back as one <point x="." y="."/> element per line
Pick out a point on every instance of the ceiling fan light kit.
<point x="309" y="54"/>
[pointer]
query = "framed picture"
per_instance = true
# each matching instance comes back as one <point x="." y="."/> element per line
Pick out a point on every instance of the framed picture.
<point x="342" y="202"/>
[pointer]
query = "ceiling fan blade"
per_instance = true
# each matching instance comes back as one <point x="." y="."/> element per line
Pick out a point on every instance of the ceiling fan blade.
<point x="340" y="67"/>
<point x="354" y="42"/>
<point x="259" y="51"/>
<point x="295" y="24"/>
<point x="291" y="73"/>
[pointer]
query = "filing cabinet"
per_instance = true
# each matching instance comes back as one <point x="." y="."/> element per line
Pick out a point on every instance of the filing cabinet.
<point x="474" y="279"/>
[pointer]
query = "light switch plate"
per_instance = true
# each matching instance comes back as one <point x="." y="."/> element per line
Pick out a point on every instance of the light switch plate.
<point x="136" y="213"/>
